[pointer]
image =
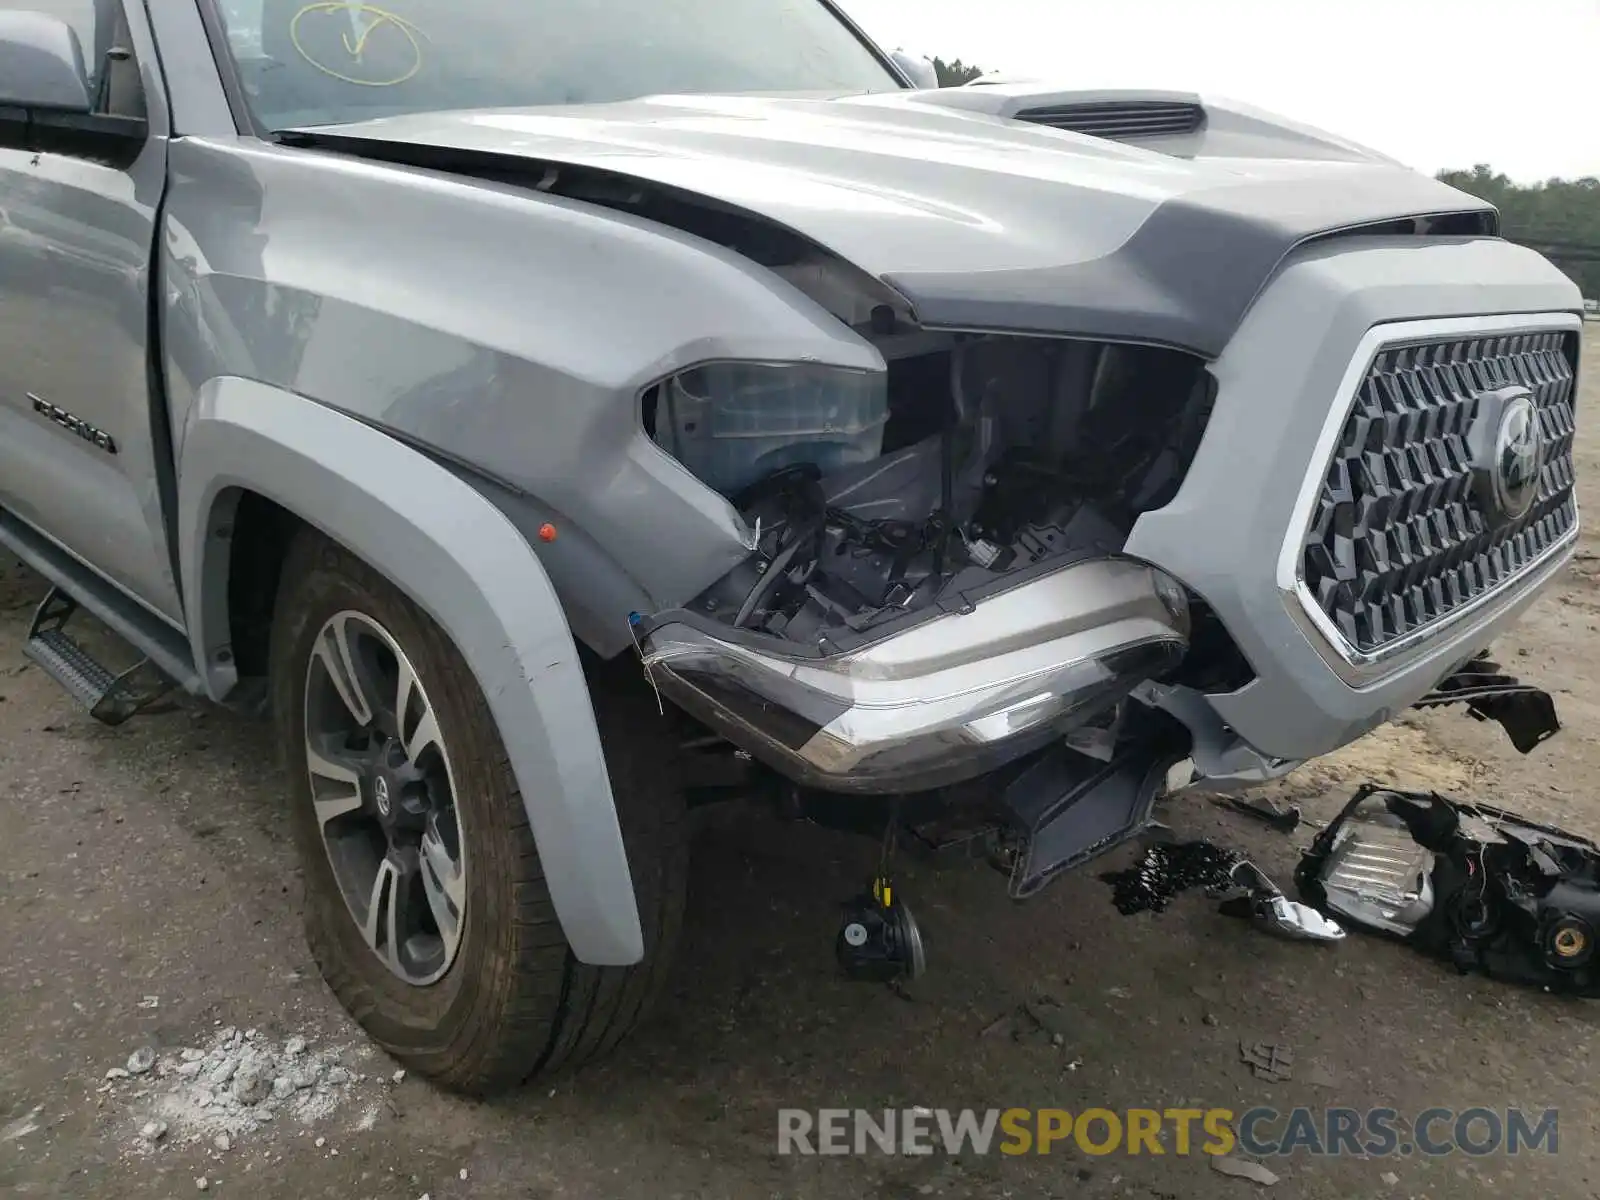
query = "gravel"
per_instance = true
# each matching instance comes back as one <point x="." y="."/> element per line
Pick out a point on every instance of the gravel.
<point x="252" y="1085"/>
<point x="232" y="1086"/>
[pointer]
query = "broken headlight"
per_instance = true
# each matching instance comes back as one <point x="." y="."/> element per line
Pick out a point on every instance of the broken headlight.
<point x="732" y="423"/>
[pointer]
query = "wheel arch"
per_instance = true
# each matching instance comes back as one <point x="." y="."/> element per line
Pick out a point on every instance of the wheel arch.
<point x="251" y="448"/>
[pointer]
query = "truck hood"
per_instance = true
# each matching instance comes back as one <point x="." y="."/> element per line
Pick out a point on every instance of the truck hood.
<point x="978" y="219"/>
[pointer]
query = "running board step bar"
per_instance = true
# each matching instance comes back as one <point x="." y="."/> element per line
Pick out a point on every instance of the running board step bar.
<point x="110" y="698"/>
<point x="165" y="645"/>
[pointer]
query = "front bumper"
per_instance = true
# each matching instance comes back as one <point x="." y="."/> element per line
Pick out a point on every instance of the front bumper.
<point x="1234" y="534"/>
<point x="947" y="699"/>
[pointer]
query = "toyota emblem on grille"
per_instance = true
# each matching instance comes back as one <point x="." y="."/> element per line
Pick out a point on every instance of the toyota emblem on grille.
<point x="1508" y="455"/>
<point x="1518" y="456"/>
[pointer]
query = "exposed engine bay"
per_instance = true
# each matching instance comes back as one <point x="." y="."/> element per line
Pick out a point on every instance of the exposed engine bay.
<point x="935" y="585"/>
<point x="989" y="460"/>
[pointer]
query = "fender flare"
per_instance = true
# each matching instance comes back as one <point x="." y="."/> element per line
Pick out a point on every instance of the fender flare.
<point x="462" y="562"/>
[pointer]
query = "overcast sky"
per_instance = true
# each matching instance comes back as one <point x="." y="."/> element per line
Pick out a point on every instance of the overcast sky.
<point x="1434" y="83"/>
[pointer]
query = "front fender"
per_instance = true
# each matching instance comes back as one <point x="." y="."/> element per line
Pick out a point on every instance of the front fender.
<point x="466" y="565"/>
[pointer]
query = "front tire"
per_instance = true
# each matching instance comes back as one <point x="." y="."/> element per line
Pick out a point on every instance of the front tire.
<point x="426" y="907"/>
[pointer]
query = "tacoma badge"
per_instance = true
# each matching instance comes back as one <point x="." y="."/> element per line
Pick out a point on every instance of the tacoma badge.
<point x="72" y="424"/>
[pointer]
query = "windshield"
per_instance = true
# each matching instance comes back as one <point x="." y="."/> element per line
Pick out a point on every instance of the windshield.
<point x="330" y="61"/>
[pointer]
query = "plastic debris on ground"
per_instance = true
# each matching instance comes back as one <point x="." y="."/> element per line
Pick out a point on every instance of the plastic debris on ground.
<point x="1526" y="713"/>
<point x="1263" y="903"/>
<point x="22" y="1126"/>
<point x="1242" y="1168"/>
<point x="1284" y="820"/>
<point x="1272" y="1061"/>
<point x="1170" y="868"/>
<point x="1166" y="870"/>
<point x="1480" y="887"/>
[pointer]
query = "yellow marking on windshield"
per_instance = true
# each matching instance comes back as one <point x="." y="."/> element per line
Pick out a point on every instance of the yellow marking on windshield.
<point x="376" y="17"/>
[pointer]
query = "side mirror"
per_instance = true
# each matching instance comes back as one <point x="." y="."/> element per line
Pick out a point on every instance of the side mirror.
<point x="41" y="64"/>
<point x="46" y="100"/>
<point x="916" y="68"/>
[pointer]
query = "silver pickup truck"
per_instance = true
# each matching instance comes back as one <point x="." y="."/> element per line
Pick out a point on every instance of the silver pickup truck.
<point x="553" y="414"/>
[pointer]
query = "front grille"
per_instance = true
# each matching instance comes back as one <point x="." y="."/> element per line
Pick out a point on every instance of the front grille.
<point x="1399" y="538"/>
<point x="1120" y="120"/>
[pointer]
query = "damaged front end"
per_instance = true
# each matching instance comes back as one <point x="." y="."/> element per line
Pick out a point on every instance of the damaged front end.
<point x="935" y="586"/>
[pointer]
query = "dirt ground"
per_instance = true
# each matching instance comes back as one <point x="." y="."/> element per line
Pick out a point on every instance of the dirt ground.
<point x="148" y="895"/>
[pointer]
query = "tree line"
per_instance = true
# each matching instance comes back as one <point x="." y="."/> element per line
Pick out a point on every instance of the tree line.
<point x="954" y="73"/>
<point x="1560" y="218"/>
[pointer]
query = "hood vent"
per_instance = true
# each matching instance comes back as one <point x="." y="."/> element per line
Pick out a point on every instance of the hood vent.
<point x="1121" y="120"/>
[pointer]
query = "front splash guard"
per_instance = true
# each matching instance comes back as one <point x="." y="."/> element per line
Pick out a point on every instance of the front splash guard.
<point x="1067" y="807"/>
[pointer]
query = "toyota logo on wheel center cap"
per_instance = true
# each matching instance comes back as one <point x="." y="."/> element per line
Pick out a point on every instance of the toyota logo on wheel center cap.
<point x="380" y="793"/>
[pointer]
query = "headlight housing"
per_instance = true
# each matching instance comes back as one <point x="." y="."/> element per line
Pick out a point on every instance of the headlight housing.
<point x="732" y="423"/>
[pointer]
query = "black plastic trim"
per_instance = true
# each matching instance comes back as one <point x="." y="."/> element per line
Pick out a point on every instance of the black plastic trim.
<point x="1120" y="120"/>
<point x="162" y="450"/>
<point x="99" y="137"/>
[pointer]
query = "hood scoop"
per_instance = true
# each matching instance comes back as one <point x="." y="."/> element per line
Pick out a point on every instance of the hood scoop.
<point x="1120" y="121"/>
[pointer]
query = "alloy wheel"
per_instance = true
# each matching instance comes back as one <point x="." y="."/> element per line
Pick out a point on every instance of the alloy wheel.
<point x="385" y="797"/>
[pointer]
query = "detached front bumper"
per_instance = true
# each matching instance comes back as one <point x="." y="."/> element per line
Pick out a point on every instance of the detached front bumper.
<point x="948" y="699"/>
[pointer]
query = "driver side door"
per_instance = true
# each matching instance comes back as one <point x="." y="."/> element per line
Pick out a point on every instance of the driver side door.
<point x="82" y="436"/>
